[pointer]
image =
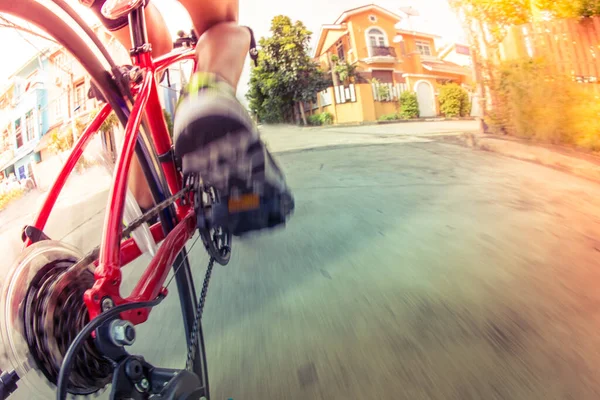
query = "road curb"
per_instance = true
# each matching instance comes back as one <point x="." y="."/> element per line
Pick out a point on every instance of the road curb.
<point x="576" y="162"/>
<point x="370" y="123"/>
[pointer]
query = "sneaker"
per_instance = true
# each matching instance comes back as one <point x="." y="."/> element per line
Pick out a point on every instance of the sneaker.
<point x="216" y="138"/>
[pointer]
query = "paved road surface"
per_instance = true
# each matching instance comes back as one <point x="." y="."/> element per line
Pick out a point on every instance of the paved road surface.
<point x="412" y="269"/>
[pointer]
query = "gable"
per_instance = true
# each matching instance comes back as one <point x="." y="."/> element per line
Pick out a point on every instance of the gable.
<point x="365" y="9"/>
<point x="329" y="34"/>
<point x="381" y="20"/>
<point x="362" y="23"/>
<point x="331" y="38"/>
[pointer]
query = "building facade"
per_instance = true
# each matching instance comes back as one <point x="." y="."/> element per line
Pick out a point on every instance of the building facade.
<point x="386" y="54"/>
<point x="24" y="104"/>
<point x="48" y="97"/>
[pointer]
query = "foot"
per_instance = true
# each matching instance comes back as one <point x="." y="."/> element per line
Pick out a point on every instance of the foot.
<point x="216" y="139"/>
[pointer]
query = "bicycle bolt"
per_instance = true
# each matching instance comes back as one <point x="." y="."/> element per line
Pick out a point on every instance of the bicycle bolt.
<point x="107" y="303"/>
<point x="144" y="384"/>
<point x="122" y="333"/>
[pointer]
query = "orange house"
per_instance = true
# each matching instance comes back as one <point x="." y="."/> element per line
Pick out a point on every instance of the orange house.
<point x="373" y="40"/>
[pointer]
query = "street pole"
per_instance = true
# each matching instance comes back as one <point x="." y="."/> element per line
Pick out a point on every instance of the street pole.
<point x="72" y="106"/>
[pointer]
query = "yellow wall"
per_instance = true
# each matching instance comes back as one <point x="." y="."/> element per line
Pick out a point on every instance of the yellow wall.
<point x="385" y="107"/>
<point x="364" y="97"/>
<point x="348" y="112"/>
<point x="323" y="62"/>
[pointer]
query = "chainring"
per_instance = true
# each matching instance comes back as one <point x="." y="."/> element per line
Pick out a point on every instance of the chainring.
<point x="41" y="312"/>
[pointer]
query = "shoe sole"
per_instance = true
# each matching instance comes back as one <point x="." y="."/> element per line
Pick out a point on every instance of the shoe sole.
<point x="218" y="141"/>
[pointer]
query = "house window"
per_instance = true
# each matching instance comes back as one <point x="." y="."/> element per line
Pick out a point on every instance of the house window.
<point x="340" y="51"/>
<point x="18" y="133"/>
<point x="383" y="76"/>
<point x="79" y="97"/>
<point x="29" y="126"/>
<point x="423" y="48"/>
<point x="376" y="37"/>
<point x="58" y="108"/>
<point x="4" y="141"/>
<point x="372" y="18"/>
<point x="464" y="50"/>
<point x="59" y="60"/>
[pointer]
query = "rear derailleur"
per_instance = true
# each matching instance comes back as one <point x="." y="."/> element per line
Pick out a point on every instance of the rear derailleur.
<point x="133" y="377"/>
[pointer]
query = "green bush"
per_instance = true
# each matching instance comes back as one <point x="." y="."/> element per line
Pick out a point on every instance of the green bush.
<point x="409" y="105"/>
<point x="314" y="119"/>
<point x="10" y="195"/>
<point x="454" y="101"/>
<point x="533" y="102"/>
<point x="389" y="117"/>
<point x="326" y="118"/>
<point x="320" y="119"/>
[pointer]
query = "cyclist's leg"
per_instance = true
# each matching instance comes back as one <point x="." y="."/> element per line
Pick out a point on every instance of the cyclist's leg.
<point x="223" y="44"/>
<point x="159" y="37"/>
<point x="214" y="134"/>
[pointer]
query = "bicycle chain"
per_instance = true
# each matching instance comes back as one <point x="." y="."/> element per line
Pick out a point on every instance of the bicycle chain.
<point x="92" y="256"/>
<point x="135" y="224"/>
<point x="191" y="356"/>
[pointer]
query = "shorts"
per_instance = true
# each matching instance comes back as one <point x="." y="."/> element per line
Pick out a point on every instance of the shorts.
<point x="110" y="24"/>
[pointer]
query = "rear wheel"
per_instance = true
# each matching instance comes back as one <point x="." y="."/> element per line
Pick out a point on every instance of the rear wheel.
<point x="50" y="17"/>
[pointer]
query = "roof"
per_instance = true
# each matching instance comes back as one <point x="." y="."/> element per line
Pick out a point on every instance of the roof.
<point x="416" y="33"/>
<point x="459" y="48"/>
<point x="36" y="57"/>
<point x="445" y="67"/>
<point x="346" y="14"/>
<point x="323" y="36"/>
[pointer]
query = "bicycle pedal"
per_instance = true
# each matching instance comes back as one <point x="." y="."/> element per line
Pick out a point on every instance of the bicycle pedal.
<point x="245" y="202"/>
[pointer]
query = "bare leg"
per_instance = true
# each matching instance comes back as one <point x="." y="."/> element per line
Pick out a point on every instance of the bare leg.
<point x="223" y="45"/>
<point x="214" y="134"/>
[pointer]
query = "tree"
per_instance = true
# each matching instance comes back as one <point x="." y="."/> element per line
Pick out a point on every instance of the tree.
<point x="285" y="76"/>
<point x="569" y="8"/>
<point x="109" y="123"/>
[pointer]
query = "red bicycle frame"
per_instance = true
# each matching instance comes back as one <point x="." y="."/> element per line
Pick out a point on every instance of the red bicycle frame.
<point x="114" y="252"/>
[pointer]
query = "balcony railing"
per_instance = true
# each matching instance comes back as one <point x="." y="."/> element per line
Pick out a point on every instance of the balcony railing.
<point x="381" y="51"/>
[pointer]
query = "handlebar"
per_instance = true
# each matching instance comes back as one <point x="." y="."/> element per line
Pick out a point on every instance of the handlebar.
<point x="186" y="40"/>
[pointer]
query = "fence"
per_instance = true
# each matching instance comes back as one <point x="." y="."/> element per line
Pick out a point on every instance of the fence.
<point x="387" y="91"/>
<point x="571" y="47"/>
<point x="344" y="94"/>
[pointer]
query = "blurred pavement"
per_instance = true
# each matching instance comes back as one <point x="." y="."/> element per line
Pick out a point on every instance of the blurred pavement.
<point x="412" y="269"/>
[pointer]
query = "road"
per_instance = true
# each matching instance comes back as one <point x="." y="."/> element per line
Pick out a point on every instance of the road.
<point x="412" y="269"/>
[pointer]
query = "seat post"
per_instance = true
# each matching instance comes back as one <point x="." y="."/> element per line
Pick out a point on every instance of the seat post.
<point x="138" y="32"/>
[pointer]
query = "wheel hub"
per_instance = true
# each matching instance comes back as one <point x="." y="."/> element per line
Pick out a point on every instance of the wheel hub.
<point x="42" y="312"/>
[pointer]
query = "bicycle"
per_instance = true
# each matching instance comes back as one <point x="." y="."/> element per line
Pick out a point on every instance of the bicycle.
<point x="63" y="316"/>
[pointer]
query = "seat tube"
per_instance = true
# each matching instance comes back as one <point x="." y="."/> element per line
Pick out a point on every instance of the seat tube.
<point x="141" y="48"/>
